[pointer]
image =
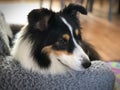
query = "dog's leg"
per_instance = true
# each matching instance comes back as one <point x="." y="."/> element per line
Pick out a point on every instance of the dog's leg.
<point x="90" y="51"/>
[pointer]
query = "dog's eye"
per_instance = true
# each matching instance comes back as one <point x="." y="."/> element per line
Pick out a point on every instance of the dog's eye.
<point x="61" y="44"/>
<point x="62" y="41"/>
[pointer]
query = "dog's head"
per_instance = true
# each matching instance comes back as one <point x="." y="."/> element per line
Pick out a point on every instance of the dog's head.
<point x="57" y="37"/>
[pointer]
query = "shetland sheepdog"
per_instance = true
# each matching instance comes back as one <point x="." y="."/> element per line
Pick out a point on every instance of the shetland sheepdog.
<point x="52" y="43"/>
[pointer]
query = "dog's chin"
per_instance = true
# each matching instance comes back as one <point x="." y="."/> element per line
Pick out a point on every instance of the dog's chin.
<point x="76" y="67"/>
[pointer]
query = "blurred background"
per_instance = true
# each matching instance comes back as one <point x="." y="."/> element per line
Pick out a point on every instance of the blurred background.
<point x="101" y="27"/>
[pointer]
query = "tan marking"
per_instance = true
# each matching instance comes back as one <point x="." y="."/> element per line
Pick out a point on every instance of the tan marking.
<point x="66" y="37"/>
<point x="77" y="32"/>
<point x="48" y="50"/>
<point x="62" y="52"/>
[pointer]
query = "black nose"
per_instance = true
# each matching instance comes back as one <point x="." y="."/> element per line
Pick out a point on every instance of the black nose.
<point x="86" y="64"/>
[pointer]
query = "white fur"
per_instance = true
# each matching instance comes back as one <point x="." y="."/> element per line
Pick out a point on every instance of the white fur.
<point x="21" y="52"/>
<point x="72" y="61"/>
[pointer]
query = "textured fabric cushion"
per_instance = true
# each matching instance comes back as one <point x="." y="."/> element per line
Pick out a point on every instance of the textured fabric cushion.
<point x="14" y="77"/>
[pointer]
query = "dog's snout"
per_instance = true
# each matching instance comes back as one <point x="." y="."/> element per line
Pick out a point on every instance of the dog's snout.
<point x="86" y="64"/>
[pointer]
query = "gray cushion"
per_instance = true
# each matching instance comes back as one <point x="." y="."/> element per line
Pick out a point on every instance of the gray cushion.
<point x="14" y="77"/>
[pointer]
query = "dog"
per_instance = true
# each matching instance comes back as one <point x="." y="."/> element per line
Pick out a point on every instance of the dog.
<point x="51" y="42"/>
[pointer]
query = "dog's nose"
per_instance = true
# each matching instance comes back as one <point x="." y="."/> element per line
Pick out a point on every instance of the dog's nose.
<point x="86" y="64"/>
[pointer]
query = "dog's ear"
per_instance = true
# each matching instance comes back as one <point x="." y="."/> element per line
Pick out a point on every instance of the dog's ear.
<point x="73" y="9"/>
<point x="39" y="18"/>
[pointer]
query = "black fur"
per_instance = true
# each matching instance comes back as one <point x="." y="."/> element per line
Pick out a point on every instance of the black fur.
<point x="73" y="9"/>
<point x="90" y="51"/>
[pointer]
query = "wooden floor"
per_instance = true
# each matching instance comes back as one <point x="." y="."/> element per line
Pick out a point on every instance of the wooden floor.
<point x="104" y="35"/>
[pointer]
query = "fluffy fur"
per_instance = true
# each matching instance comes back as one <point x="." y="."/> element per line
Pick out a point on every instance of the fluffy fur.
<point x="52" y="42"/>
